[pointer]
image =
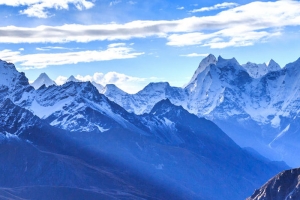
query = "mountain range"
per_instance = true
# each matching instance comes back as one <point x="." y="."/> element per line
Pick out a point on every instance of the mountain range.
<point x="255" y="104"/>
<point x="69" y="140"/>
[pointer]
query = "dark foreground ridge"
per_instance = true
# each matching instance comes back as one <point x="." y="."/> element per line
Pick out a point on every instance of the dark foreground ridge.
<point x="285" y="185"/>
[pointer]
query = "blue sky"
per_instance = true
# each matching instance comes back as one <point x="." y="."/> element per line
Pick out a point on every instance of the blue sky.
<point x="131" y="43"/>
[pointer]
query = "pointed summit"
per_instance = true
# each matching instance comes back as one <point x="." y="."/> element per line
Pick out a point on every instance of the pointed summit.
<point x="207" y="61"/>
<point x="73" y="79"/>
<point x="273" y="66"/>
<point x="43" y="79"/>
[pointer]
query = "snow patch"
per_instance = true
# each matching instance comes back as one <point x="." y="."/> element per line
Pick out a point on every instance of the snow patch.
<point x="45" y="111"/>
<point x="101" y="129"/>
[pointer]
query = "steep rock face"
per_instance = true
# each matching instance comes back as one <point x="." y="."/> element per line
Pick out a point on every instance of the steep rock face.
<point x="13" y="83"/>
<point x="43" y="79"/>
<point x="206" y="62"/>
<point x="285" y="185"/>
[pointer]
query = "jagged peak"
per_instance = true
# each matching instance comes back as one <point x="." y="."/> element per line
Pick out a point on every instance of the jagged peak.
<point x="10" y="76"/>
<point x="273" y="66"/>
<point x="222" y="60"/>
<point x="6" y="64"/>
<point x="206" y="62"/>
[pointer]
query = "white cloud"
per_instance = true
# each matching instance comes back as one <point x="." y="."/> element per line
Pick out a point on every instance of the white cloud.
<point x="38" y="8"/>
<point x="116" y="45"/>
<point x="216" y="7"/>
<point x="239" y="26"/>
<point x="21" y="49"/>
<point x="48" y="48"/>
<point x="222" y="39"/>
<point x="125" y="82"/>
<point x="32" y="61"/>
<point x="188" y="39"/>
<point x="195" y="55"/>
<point x="61" y="80"/>
<point x="180" y="8"/>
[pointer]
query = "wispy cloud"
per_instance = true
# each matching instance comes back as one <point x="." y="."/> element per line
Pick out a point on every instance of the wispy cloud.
<point x="239" y="26"/>
<point x="195" y="55"/>
<point x="32" y="61"/>
<point x="38" y="8"/>
<point x="180" y="8"/>
<point x="215" y="7"/>
<point x="113" y="3"/>
<point x="48" y="48"/>
<point x="132" y="2"/>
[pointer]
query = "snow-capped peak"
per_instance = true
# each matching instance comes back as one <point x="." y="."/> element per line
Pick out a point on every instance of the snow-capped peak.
<point x="259" y="70"/>
<point x="207" y="61"/>
<point x="154" y="87"/>
<point x="256" y="70"/>
<point x="222" y="61"/>
<point x="72" y="78"/>
<point x="273" y="66"/>
<point x="43" y="79"/>
<point x="112" y="89"/>
<point x="10" y="76"/>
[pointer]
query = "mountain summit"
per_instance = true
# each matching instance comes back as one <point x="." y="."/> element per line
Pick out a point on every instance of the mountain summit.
<point x="43" y="79"/>
<point x="72" y="78"/>
<point x="210" y="59"/>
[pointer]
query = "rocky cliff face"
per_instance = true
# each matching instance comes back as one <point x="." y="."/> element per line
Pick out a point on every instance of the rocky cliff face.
<point x="285" y="185"/>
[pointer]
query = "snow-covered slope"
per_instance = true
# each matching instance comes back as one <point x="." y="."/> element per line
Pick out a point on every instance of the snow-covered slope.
<point x="256" y="70"/>
<point x="98" y="86"/>
<point x="43" y="79"/>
